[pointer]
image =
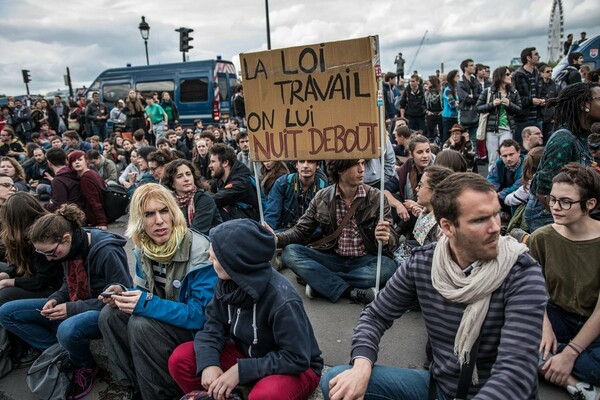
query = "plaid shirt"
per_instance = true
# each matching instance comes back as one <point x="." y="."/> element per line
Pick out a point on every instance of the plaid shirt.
<point x="349" y="243"/>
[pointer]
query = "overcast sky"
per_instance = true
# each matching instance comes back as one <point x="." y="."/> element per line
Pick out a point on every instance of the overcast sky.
<point x="91" y="36"/>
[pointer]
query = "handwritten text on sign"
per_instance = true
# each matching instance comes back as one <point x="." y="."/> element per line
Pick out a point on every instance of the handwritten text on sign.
<point x="312" y="102"/>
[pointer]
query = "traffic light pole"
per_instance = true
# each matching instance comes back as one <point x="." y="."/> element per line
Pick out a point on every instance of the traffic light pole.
<point x="184" y="40"/>
<point x="27" y="87"/>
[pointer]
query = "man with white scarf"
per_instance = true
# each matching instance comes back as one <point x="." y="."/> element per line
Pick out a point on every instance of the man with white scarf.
<point x="472" y="284"/>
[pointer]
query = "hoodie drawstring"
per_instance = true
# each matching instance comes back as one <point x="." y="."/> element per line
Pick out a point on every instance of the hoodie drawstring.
<point x="255" y="341"/>
<point x="229" y="314"/>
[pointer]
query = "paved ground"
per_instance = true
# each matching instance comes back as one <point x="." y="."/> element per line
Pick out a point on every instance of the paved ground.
<point x="403" y="345"/>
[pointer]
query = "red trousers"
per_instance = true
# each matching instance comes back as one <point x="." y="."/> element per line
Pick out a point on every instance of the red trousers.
<point x="182" y="367"/>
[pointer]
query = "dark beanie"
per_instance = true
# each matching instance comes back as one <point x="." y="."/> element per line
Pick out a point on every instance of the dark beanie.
<point x="244" y="249"/>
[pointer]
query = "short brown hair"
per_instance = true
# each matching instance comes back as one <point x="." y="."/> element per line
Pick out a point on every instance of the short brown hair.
<point x="445" y="198"/>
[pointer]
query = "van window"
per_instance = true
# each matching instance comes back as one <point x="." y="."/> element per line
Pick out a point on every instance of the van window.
<point x="111" y="92"/>
<point x="148" y="88"/>
<point x="193" y="90"/>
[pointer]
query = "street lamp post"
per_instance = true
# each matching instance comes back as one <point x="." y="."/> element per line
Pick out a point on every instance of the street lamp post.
<point x="268" y="25"/>
<point x="145" y="32"/>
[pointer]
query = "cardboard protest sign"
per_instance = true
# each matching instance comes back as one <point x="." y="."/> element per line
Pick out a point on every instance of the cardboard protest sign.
<point x="314" y="102"/>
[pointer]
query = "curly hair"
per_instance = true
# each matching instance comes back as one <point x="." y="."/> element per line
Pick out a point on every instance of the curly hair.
<point x="168" y="178"/>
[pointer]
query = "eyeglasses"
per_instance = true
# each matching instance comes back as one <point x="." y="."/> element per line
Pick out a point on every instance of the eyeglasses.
<point x="49" y="254"/>
<point x="8" y="185"/>
<point x="152" y="169"/>
<point x="563" y="204"/>
<point x="595" y="98"/>
<point x="419" y="186"/>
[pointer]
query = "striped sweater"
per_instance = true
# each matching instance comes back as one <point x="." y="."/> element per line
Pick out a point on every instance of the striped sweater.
<point x="511" y="333"/>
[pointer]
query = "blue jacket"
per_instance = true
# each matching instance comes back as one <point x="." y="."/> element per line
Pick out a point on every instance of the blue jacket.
<point x="282" y="208"/>
<point x="189" y="287"/>
<point x="497" y="175"/>
<point x="449" y="102"/>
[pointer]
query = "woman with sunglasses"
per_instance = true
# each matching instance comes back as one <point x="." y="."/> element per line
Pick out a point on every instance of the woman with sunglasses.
<point x="502" y="103"/>
<point x="27" y="274"/>
<point x="91" y="260"/>
<point x="577" y="107"/>
<point x="569" y="250"/>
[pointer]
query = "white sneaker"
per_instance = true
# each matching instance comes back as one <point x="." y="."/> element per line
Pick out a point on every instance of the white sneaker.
<point x="310" y="293"/>
<point x="584" y="391"/>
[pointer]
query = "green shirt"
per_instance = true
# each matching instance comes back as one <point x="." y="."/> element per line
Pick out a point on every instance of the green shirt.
<point x="503" y="117"/>
<point x="571" y="269"/>
<point x="155" y="113"/>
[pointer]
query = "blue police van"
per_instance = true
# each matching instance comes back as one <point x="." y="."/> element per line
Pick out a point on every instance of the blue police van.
<point x="200" y="89"/>
<point x="591" y="55"/>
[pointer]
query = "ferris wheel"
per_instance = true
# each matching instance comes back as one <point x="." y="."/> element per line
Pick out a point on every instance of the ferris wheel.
<point x="555" y="31"/>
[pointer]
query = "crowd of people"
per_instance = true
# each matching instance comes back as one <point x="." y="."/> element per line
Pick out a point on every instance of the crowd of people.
<point x="502" y="267"/>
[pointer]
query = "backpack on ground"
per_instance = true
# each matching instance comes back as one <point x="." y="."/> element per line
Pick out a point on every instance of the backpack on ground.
<point x="51" y="375"/>
<point x="115" y="202"/>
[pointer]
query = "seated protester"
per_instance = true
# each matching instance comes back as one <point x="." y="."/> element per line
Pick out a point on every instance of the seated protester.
<point x="270" y="172"/>
<point x="373" y="167"/>
<point x="243" y="153"/>
<point x="568" y="251"/>
<point x="65" y="184"/>
<point x="593" y="143"/>
<point x="451" y="159"/>
<point x="7" y="189"/>
<point x="291" y="194"/>
<point x="139" y="136"/>
<point x="531" y="137"/>
<point x="74" y="142"/>
<point x="459" y="141"/>
<point x="41" y="173"/>
<point x="530" y="164"/>
<point x="472" y="284"/>
<point x="234" y="193"/>
<point x="56" y="141"/>
<point x="144" y="175"/>
<point x="111" y="152"/>
<point x="91" y="260"/>
<point x="348" y="265"/>
<point x="106" y="168"/>
<point x="45" y="131"/>
<point x="27" y="275"/>
<point x="197" y="205"/>
<point x="174" y="282"/>
<point x="11" y="168"/>
<point x="506" y="173"/>
<point x="208" y="136"/>
<point x="402" y="135"/>
<point x="131" y="170"/>
<point x="157" y="161"/>
<point x="187" y="138"/>
<point x="10" y="146"/>
<point x="400" y="190"/>
<point x="202" y="159"/>
<point x="92" y="189"/>
<point x="427" y="229"/>
<point x="175" y="144"/>
<point x="272" y="346"/>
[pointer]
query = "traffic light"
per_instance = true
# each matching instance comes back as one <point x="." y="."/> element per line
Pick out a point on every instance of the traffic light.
<point x="185" y="39"/>
<point x="26" y="76"/>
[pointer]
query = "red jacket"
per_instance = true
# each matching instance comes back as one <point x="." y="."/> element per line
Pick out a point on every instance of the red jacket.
<point x="92" y="190"/>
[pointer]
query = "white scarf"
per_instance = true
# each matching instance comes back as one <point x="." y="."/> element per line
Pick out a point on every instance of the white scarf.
<point x="476" y="289"/>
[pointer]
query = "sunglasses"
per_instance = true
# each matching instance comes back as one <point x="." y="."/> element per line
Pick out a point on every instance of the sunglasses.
<point x="49" y="254"/>
<point x="594" y="146"/>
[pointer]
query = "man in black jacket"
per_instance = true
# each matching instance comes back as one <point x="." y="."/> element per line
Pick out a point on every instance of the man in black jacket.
<point x="468" y="92"/>
<point x="527" y="81"/>
<point x="412" y="104"/>
<point x="235" y="195"/>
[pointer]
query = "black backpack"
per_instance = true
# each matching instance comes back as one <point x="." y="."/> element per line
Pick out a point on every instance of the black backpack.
<point x="115" y="202"/>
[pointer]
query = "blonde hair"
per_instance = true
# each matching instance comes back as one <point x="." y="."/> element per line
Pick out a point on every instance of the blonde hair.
<point x="139" y="201"/>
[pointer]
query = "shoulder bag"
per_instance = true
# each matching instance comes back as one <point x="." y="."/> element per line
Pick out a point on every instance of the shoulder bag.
<point x="483" y="117"/>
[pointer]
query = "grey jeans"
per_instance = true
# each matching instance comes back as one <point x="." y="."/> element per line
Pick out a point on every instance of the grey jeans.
<point x="138" y="350"/>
